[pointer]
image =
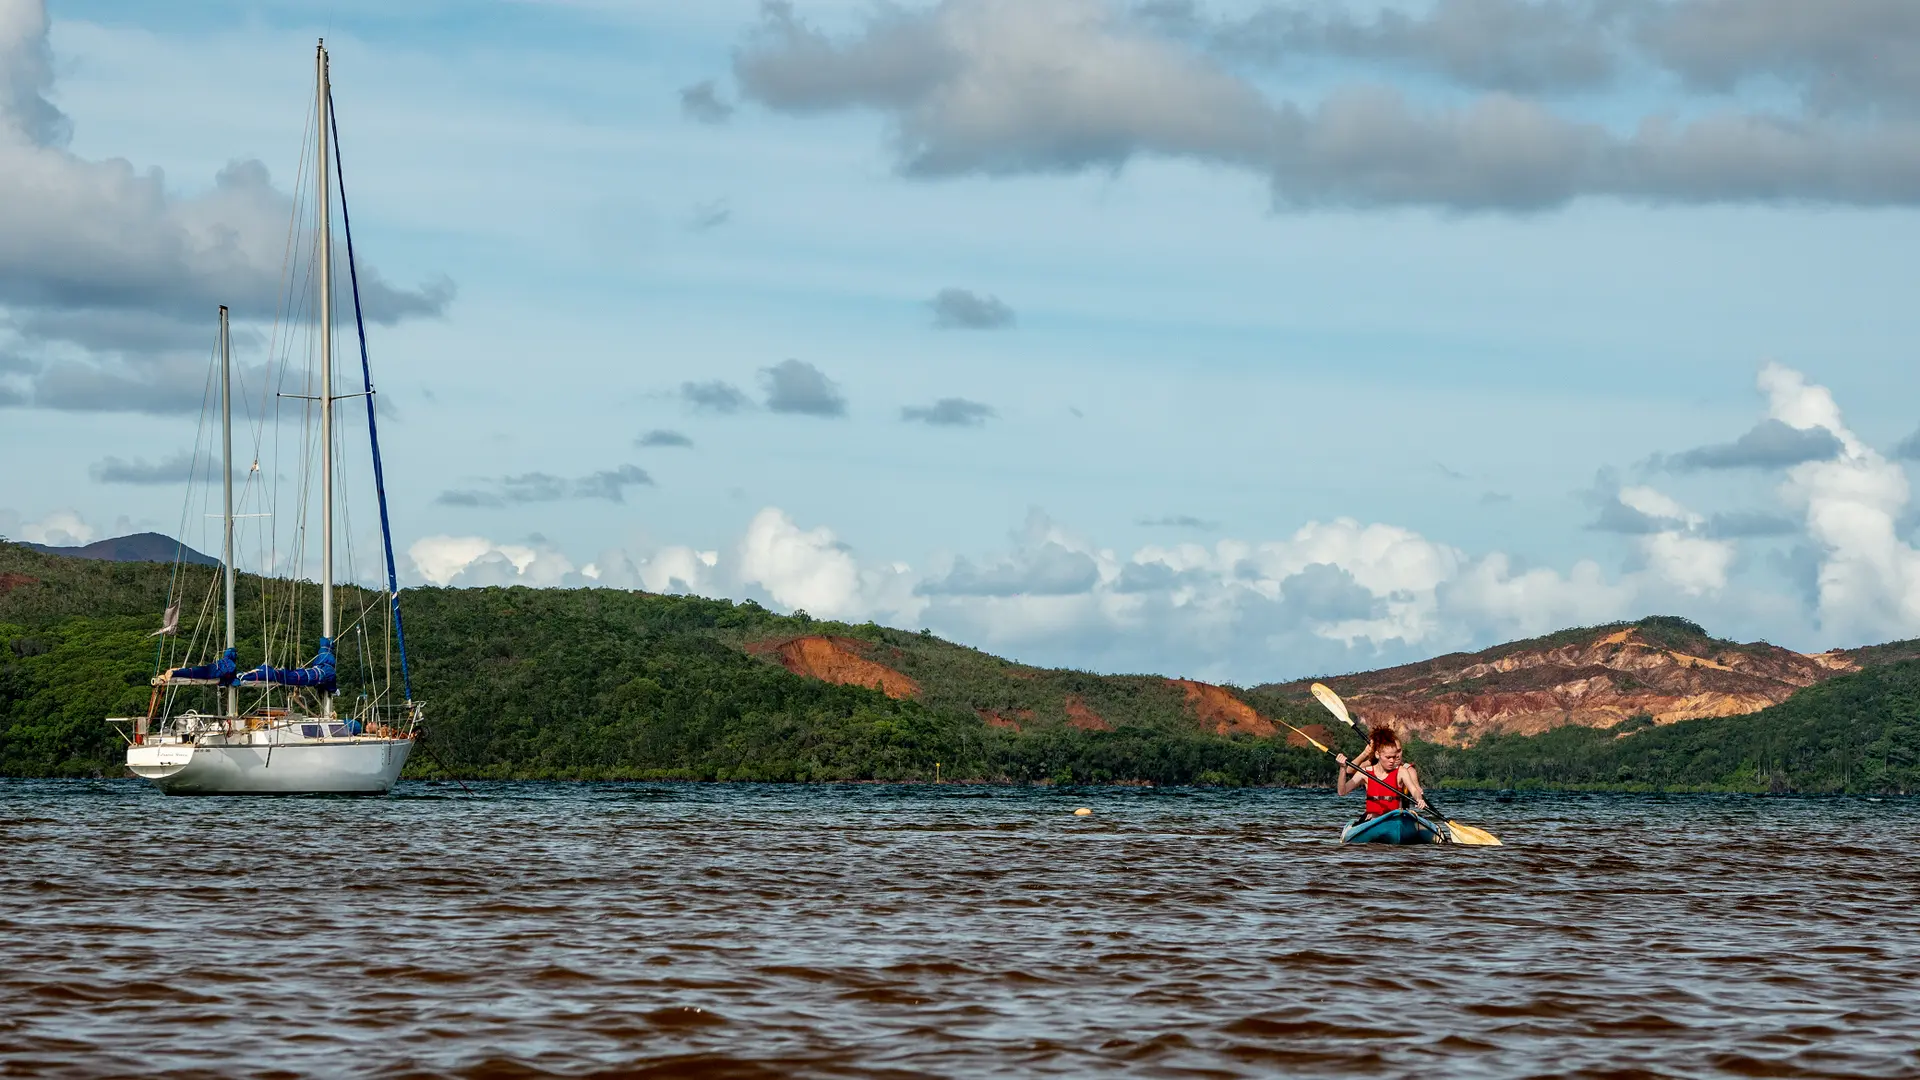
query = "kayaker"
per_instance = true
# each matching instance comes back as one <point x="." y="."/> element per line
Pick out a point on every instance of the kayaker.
<point x="1385" y="758"/>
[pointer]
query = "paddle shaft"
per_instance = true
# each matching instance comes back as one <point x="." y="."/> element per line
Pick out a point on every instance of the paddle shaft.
<point x="1333" y="704"/>
<point x="1369" y="773"/>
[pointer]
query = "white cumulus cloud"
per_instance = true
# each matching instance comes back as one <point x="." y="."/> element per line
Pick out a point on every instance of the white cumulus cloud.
<point x="1869" y="578"/>
<point x="62" y="528"/>
<point x="810" y="569"/>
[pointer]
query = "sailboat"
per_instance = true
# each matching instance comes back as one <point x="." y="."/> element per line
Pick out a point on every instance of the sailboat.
<point x="292" y="737"/>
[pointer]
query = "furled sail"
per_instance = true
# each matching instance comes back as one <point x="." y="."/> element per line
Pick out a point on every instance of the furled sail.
<point x="320" y="673"/>
<point x="219" y="673"/>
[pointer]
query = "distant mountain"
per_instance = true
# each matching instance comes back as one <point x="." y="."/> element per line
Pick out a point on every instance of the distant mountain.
<point x="1662" y="667"/>
<point x="140" y="547"/>
<point x="607" y="684"/>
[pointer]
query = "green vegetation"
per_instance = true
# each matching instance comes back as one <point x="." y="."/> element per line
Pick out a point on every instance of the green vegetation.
<point x="602" y="684"/>
<point x="1855" y="734"/>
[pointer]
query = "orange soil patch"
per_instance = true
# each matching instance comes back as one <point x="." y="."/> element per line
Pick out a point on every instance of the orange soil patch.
<point x="1001" y="720"/>
<point x="1318" y="731"/>
<point x="1228" y="714"/>
<point x="8" y="582"/>
<point x="1082" y="717"/>
<point x="837" y="660"/>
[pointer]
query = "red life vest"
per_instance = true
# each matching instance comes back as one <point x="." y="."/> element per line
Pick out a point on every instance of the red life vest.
<point x="1380" y="797"/>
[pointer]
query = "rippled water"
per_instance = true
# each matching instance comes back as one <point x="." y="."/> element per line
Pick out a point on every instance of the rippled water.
<point x="754" y="931"/>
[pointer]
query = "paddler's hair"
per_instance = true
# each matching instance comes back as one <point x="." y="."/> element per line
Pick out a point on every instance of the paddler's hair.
<point x="1383" y="737"/>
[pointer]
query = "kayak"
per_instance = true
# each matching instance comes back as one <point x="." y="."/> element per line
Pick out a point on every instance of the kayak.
<point x="1392" y="827"/>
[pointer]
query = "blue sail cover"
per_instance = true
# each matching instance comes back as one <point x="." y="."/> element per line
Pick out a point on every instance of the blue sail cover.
<point x="320" y="673"/>
<point x="221" y="671"/>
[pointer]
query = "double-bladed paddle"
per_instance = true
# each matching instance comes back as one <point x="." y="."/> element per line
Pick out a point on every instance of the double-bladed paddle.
<point x="1364" y="771"/>
<point x="1454" y="831"/>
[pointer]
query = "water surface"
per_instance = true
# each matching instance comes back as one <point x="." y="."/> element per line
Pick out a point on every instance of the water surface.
<point x="750" y="931"/>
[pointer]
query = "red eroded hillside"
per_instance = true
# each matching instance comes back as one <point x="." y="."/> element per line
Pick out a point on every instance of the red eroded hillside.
<point x="1662" y="667"/>
<point x="1079" y="715"/>
<point x="837" y="660"/>
<point x="1221" y="712"/>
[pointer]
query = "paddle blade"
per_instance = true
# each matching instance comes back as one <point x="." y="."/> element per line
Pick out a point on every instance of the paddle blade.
<point x="1325" y="696"/>
<point x="1472" y="837"/>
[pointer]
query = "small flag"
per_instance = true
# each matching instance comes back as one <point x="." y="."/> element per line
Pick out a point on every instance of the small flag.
<point x="170" y="625"/>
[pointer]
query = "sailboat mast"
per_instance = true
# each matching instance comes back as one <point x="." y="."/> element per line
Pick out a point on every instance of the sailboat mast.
<point x="325" y="254"/>
<point x="226" y="470"/>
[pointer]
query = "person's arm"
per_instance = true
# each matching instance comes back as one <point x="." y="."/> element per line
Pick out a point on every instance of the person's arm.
<point x="1410" y="780"/>
<point x="1349" y="778"/>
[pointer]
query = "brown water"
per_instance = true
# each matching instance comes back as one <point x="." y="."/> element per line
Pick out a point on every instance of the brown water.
<point x="747" y="931"/>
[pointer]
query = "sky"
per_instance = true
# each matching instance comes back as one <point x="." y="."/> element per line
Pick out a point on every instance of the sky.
<point x="1237" y="340"/>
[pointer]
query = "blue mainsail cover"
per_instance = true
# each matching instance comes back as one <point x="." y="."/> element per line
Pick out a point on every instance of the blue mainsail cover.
<point x="320" y="673"/>
<point x="220" y="671"/>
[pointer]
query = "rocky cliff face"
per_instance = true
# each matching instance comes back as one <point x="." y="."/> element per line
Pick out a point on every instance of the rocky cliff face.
<point x="1664" y="668"/>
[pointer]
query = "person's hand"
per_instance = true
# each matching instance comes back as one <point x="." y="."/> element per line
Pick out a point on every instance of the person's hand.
<point x="1341" y="758"/>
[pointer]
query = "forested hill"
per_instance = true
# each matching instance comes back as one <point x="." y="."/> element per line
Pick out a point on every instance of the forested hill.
<point x="599" y="683"/>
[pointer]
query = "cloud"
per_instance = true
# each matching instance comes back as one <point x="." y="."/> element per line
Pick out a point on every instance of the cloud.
<point x="62" y="528"/>
<point x="701" y="102"/>
<point x="612" y="484"/>
<point x="1328" y="593"/>
<point x="811" y="570"/>
<point x="1909" y="448"/>
<point x="669" y="570"/>
<point x="1006" y="87"/>
<point x="125" y="331"/>
<point x="958" y="309"/>
<point x="100" y="256"/>
<point x="176" y="469"/>
<point x="1841" y="54"/>
<point x="1693" y="563"/>
<point x="163" y="385"/>
<point x="1771" y="444"/>
<point x="1616" y="514"/>
<point x="1868" y="582"/>
<point x="714" y="396"/>
<point x="794" y="386"/>
<point x="539" y="487"/>
<point x="1177" y="521"/>
<point x="1046" y="570"/>
<point x="950" y="412"/>
<point x="1745" y="524"/>
<point x="1680" y="548"/>
<point x="470" y="561"/>
<point x="26" y="75"/>
<point x="1520" y="46"/>
<point x="662" y="437"/>
<point x="1335" y="594"/>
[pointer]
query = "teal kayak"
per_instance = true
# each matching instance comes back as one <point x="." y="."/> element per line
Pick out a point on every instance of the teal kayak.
<point x="1392" y="827"/>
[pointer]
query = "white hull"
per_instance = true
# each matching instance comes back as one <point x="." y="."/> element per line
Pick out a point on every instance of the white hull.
<point x="361" y="766"/>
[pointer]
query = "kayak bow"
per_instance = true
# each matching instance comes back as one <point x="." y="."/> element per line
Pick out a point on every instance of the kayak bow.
<point x="1453" y="832"/>
<point x="1392" y="827"/>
